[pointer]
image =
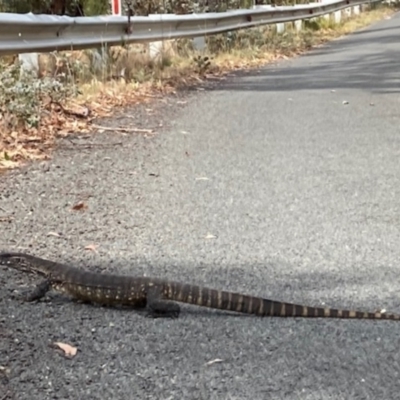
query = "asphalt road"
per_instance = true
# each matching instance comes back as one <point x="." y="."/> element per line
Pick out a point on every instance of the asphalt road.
<point x="283" y="183"/>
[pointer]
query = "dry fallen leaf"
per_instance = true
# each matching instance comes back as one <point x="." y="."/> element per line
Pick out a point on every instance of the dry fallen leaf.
<point x="79" y="206"/>
<point x="77" y="110"/>
<point x="91" y="247"/>
<point x="54" y="234"/>
<point x="70" y="351"/>
<point x="217" y="360"/>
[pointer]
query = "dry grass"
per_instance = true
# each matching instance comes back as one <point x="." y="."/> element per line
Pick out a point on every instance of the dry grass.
<point x="95" y="82"/>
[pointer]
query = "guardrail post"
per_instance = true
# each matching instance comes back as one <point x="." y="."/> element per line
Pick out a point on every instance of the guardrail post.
<point x="298" y="25"/>
<point x="199" y="43"/>
<point x="280" y="28"/>
<point x="155" y="49"/>
<point x="162" y="48"/>
<point x="337" y="16"/>
<point x="35" y="32"/>
<point x="29" y="62"/>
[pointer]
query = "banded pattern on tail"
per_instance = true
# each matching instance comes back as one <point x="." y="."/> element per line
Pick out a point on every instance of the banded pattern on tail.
<point x="236" y="302"/>
<point x="159" y="295"/>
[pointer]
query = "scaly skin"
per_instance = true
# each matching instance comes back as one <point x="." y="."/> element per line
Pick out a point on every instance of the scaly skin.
<point x="158" y="296"/>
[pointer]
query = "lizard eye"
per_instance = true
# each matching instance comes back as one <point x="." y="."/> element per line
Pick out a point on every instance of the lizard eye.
<point x="11" y="260"/>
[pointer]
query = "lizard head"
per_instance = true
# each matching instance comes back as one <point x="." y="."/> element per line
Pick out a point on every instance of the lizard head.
<point x="19" y="261"/>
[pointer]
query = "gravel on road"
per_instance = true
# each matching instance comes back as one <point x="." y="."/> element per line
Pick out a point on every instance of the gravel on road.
<point x="282" y="182"/>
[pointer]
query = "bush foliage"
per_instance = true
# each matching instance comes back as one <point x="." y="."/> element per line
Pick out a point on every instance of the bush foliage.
<point x="138" y="7"/>
<point x="23" y="97"/>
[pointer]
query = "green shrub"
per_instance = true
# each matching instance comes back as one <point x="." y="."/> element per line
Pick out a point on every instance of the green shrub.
<point x="22" y="96"/>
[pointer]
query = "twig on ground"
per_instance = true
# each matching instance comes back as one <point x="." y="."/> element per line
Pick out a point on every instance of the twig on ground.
<point x="122" y="129"/>
<point x="90" y="145"/>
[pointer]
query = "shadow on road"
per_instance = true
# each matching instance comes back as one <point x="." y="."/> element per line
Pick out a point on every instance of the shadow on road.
<point x="338" y="64"/>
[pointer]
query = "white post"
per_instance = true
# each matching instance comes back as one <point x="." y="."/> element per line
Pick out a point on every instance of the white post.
<point x="199" y="43"/>
<point x="298" y="24"/>
<point x="29" y="62"/>
<point x="337" y="16"/>
<point x="280" y="27"/>
<point x="156" y="49"/>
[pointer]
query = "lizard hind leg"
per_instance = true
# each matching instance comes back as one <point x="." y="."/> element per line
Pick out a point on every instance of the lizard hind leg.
<point x="157" y="307"/>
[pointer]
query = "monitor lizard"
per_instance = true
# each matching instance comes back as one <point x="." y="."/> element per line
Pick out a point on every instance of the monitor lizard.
<point x="159" y="296"/>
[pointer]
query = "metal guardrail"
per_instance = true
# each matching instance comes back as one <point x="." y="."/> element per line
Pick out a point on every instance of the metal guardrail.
<point x="23" y="33"/>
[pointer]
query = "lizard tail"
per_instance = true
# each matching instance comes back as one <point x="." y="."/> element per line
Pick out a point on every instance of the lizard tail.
<point x="229" y="301"/>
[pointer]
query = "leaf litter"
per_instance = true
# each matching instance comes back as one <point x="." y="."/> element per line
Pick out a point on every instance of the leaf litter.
<point x="80" y="206"/>
<point x="58" y="120"/>
<point x="17" y="146"/>
<point x="92" y="247"/>
<point x="69" y="351"/>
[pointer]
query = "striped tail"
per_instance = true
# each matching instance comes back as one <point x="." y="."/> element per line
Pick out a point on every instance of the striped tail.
<point x="228" y="301"/>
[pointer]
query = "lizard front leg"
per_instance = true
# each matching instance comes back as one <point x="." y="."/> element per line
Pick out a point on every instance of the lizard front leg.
<point x="38" y="292"/>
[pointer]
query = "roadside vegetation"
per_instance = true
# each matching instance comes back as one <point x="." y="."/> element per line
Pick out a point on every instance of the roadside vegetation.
<point x="73" y="88"/>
